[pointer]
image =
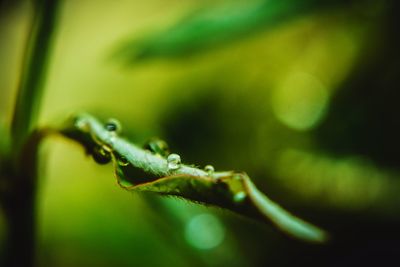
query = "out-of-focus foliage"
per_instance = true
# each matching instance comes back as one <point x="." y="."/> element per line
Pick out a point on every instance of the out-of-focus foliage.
<point x="209" y="28"/>
<point x="307" y="105"/>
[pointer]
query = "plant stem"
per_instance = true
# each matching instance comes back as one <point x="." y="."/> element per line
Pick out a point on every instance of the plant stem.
<point x="19" y="202"/>
<point x="33" y="77"/>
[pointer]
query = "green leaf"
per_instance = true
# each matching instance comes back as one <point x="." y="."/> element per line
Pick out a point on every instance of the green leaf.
<point x="235" y="192"/>
<point x="214" y="27"/>
<point x="230" y="190"/>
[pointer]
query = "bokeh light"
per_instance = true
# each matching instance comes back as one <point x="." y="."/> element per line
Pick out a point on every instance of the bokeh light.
<point x="300" y="101"/>
<point x="204" y="231"/>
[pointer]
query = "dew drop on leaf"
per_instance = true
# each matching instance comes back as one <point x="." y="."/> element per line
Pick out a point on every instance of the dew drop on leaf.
<point x="100" y="155"/>
<point x="113" y="126"/>
<point x="157" y="147"/>
<point x="174" y="161"/>
<point x="122" y="161"/>
<point x="209" y="169"/>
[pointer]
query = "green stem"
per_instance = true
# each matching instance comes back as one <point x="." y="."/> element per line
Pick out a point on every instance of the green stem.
<point x="35" y="68"/>
<point x="19" y="202"/>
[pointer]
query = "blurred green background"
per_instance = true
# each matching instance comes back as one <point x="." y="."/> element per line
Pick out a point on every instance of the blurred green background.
<point x="301" y="95"/>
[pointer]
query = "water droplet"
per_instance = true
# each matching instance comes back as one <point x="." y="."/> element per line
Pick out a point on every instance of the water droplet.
<point x="174" y="161"/>
<point x="158" y="147"/>
<point x="113" y="126"/>
<point x="239" y="196"/>
<point x="122" y="161"/>
<point x="100" y="155"/>
<point x="209" y="169"/>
